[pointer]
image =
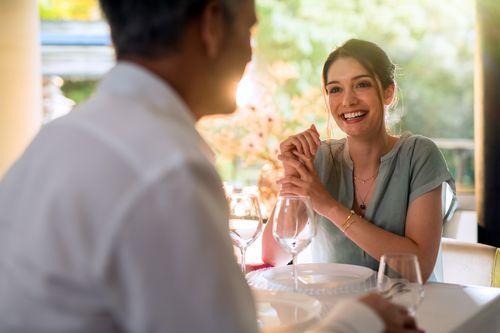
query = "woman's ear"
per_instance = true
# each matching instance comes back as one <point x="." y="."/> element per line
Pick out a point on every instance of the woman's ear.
<point x="212" y="28"/>
<point x="389" y="94"/>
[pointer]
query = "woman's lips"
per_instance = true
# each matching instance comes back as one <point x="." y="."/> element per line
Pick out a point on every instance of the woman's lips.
<point x="354" y="116"/>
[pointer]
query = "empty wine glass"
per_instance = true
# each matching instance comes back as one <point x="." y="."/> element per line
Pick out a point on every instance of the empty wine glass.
<point x="245" y="222"/>
<point x="400" y="281"/>
<point x="293" y="226"/>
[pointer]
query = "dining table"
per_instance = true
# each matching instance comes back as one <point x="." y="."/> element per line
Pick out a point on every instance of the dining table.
<point x="445" y="307"/>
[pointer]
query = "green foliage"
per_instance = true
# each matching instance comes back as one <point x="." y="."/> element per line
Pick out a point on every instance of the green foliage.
<point x="431" y="41"/>
<point x="69" y="9"/>
<point x="78" y="91"/>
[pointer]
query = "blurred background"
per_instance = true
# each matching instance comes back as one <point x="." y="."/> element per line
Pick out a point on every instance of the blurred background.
<point x="432" y="42"/>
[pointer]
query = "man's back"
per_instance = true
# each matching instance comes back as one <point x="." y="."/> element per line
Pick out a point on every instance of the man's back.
<point x="115" y="206"/>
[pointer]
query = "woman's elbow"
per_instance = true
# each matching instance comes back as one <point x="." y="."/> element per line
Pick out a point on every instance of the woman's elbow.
<point x="272" y="254"/>
<point x="426" y="274"/>
<point x="426" y="266"/>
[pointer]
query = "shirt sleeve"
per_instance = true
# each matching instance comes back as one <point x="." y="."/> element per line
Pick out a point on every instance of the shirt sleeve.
<point x="171" y="267"/>
<point x="428" y="169"/>
<point x="350" y="316"/>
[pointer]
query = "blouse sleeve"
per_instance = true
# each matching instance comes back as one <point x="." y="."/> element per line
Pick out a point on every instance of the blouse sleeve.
<point x="428" y="169"/>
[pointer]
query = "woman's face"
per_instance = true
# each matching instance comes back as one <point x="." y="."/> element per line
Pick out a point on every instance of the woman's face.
<point x="354" y="99"/>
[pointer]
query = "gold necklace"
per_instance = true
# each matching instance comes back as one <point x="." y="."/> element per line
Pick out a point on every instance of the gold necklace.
<point x="364" y="181"/>
<point x="363" y="202"/>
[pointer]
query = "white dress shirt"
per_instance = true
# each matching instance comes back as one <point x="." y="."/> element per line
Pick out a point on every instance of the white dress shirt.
<point x="114" y="220"/>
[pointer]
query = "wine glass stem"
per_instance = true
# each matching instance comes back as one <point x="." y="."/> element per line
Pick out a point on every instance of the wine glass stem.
<point x="243" y="262"/>
<point x="294" y="270"/>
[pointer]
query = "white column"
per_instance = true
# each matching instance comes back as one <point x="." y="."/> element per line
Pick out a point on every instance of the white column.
<point x="20" y="78"/>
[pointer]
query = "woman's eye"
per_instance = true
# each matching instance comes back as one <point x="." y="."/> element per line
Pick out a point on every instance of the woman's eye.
<point x="334" y="90"/>
<point x="364" y="84"/>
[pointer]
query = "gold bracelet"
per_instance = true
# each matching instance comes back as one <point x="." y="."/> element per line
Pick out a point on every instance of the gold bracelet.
<point x="347" y="220"/>
<point x="349" y="225"/>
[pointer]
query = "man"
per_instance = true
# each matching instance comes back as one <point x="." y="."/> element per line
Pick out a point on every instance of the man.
<point x="114" y="219"/>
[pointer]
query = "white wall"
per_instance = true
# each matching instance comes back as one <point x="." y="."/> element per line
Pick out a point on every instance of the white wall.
<point x="20" y="79"/>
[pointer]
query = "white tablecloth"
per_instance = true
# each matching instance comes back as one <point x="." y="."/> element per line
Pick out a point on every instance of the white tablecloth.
<point x="453" y="308"/>
<point x="456" y="308"/>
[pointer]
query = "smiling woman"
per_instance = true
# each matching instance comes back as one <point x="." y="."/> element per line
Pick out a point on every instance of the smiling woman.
<point x="356" y="76"/>
<point x="356" y="97"/>
<point x="374" y="193"/>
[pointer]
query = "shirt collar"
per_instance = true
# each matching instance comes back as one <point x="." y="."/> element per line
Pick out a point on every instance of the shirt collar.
<point x="136" y="82"/>
<point x="386" y="157"/>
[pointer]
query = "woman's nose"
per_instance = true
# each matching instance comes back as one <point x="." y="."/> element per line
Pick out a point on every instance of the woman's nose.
<point x="349" y="98"/>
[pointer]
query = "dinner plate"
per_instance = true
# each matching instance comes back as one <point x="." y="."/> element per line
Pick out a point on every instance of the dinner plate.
<point x="279" y="311"/>
<point x="315" y="279"/>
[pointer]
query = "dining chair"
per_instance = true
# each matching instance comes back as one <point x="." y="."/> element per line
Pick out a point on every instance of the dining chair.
<point x="470" y="263"/>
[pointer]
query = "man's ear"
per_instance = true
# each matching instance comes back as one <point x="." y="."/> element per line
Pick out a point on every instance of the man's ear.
<point x="212" y="28"/>
<point x="389" y="94"/>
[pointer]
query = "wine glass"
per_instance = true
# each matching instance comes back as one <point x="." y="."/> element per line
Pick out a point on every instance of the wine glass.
<point x="400" y="281"/>
<point x="293" y="226"/>
<point x="245" y="222"/>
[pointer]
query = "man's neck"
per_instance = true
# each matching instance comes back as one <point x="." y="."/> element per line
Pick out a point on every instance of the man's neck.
<point x="172" y="70"/>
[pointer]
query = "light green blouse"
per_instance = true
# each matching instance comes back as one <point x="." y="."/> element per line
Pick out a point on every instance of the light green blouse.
<point x="412" y="168"/>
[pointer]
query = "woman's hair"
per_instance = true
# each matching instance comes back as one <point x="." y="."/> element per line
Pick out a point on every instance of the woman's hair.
<point x="368" y="54"/>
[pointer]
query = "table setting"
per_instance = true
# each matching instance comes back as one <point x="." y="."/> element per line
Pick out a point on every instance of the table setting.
<point x="292" y="298"/>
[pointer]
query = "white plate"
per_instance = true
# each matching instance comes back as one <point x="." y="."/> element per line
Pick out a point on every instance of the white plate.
<point x="315" y="279"/>
<point x="285" y="312"/>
